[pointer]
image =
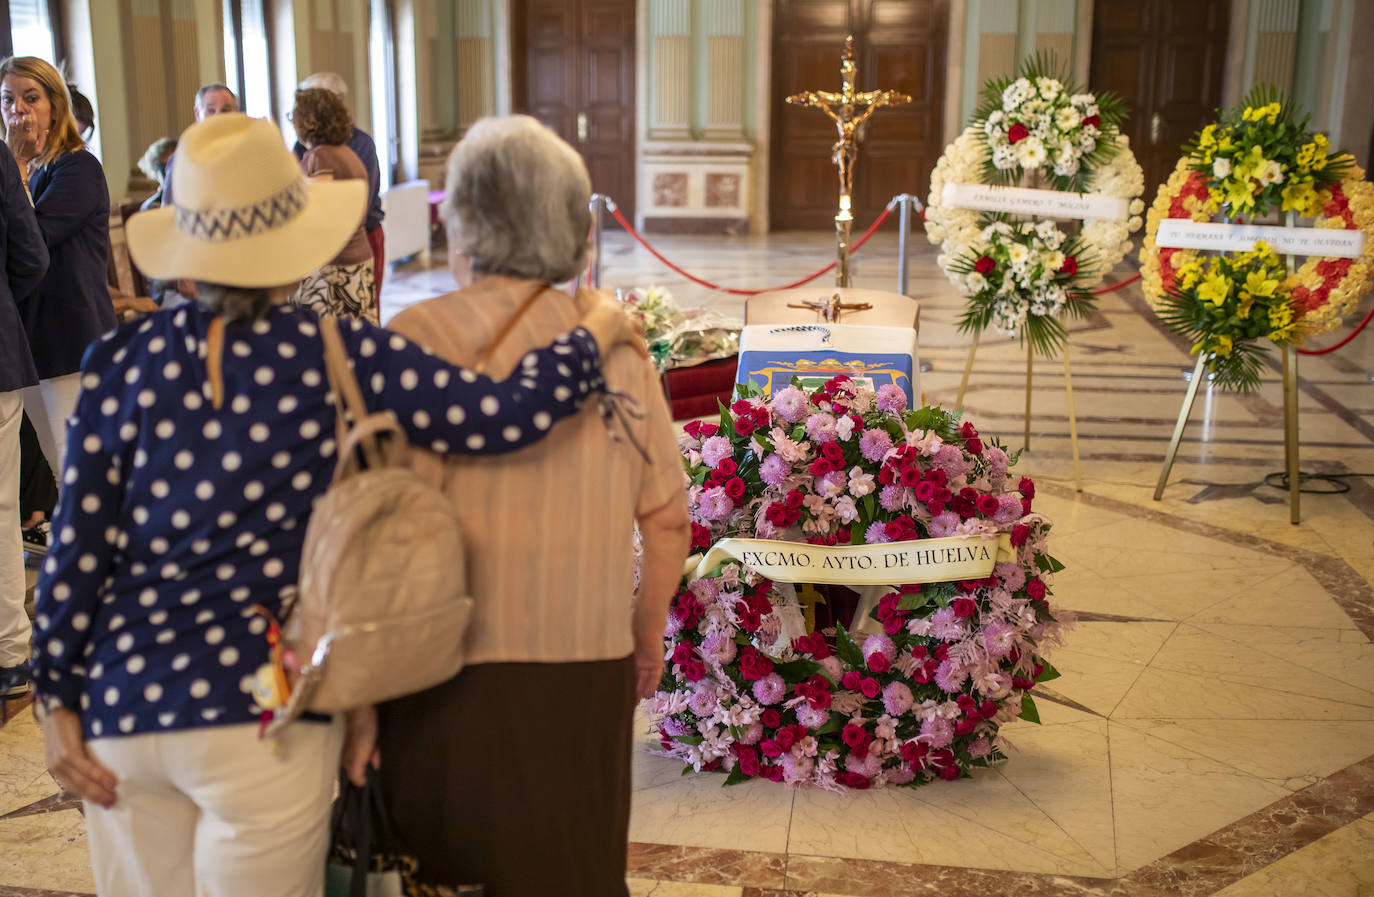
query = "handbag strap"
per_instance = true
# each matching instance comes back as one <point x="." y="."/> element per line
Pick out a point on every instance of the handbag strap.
<point x="481" y="364"/>
<point x="348" y="398"/>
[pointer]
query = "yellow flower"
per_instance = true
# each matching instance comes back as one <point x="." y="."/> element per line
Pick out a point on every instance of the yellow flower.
<point x="1301" y="197"/>
<point x="1223" y="346"/>
<point x="1281" y="316"/>
<point x="1256" y="284"/>
<point x="1215" y="288"/>
<point x="1246" y="302"/>
<point x="1208" y="137"/>
<point x="1250" y="113"/>
<point x="1240" y="195"/>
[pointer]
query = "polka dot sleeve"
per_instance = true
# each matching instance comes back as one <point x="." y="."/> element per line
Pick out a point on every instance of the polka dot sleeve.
<point x="85" y="531"/>
<point x="448" y="408"/>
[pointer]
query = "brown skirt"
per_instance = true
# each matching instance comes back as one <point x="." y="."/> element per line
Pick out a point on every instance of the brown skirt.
<point x="516" y="776"/>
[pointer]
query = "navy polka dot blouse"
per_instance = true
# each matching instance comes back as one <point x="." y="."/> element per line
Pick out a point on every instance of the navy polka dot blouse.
<point x="176" y="517"/>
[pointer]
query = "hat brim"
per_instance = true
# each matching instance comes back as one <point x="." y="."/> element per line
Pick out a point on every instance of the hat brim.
<point x="280" y="256"/>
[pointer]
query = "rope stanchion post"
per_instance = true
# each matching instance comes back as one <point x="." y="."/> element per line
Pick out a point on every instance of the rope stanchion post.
<point x="598" y="201"/>
<point x="905" y="202"/>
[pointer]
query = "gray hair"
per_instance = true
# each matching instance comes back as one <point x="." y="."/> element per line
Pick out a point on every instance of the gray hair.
<point x="234" y="303"/>
<point x="516" y="201"/>
<point x="149" y="162"/>
<point x="330" y="81"/>
<point x="214" y="85"/>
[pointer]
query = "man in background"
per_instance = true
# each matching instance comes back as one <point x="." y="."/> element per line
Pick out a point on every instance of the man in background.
<point x="211" y="99"/>
<point x="366" y="150"/>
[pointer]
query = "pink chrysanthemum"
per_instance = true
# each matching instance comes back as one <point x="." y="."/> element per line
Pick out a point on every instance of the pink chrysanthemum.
<point x="715" y="449"/>
<point x="874" y="444"/>
<point x="999" y="638"/>
<point x="897" y="698"/>
<point x="715" y="504"/>
<point x="790" y="404"/>
<point x="891" y="398"/>
<point x="812" y="717"/>
<point x="900" y="775"/>
<point x="980" y="748"/>
<point x="1008" y="510"/>
<point x="937" y="732"/>
<point x="770" y="689"/>
<point x="774" y="470"/>
<point x="892" y="497"/>
<point x="821" y="427"/>
<point x="876" y="534"/>
<point x="950" y="676"/>
<point x="879" y="644"/>
<point x="943" y="524"/>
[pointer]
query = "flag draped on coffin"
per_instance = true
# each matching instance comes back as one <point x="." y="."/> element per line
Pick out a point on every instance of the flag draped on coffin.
<point x="772" y="354"/>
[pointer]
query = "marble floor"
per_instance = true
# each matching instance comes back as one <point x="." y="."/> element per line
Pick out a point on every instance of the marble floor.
<point x="1213" y="731"/>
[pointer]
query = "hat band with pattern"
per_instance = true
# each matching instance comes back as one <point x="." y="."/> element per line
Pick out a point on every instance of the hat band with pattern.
<point x="218" y="225"/>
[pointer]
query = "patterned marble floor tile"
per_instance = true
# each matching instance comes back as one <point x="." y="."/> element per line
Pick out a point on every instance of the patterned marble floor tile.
<point x="698" y="812"/>
<point x="1295" y="598"/>
<point x="23" y="776"/>
<point x="643" y="887"/>
<point x="1136" y="641"/>
<point x="46" y="851"/>
<point x="1342" y="655"/>
<point x="1340" y="864"/>
<point x="1097" y="683"/>
<point x="1166" y="796"/>
<point x="1160" y="694"/>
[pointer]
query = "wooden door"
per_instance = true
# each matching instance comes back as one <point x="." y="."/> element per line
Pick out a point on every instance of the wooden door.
<point x="1166" y="58"/>
<point x="574" y="70"/>
<point x="898" y="45"/>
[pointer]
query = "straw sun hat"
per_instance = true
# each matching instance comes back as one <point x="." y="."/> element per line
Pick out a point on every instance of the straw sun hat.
<point x="243" y="214"/>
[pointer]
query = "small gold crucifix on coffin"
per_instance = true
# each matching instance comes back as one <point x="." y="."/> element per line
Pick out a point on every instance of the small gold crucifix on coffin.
<point x="829" y="310"/>
<point x="849" y="109"/>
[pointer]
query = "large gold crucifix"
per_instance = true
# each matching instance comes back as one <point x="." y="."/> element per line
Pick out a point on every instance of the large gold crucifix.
<point x="849" y="109"/>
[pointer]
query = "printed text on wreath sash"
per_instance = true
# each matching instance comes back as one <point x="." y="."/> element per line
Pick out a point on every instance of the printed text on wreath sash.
<point x="925" y="560"/>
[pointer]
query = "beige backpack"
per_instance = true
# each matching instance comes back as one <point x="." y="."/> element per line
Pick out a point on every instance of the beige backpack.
<point x="383" y="604"/>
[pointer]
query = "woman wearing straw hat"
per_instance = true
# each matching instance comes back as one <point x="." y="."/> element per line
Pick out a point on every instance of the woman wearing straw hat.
<point x="71" y="307"/>
<point x="186" y="497"/>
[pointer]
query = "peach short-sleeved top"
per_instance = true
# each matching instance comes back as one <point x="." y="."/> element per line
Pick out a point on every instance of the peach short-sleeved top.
<point x="549" y="528"/>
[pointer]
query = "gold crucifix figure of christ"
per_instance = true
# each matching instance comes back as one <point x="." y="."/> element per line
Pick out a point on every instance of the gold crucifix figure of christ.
<point x="849" y="109"/>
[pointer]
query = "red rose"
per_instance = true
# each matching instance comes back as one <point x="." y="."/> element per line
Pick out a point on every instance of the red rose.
<point x="1017" y="132"/>
<point x="968" y="430"/>
<point x="786" y="738"/>
<point x="1070" y="266"/>
<point x="771" y="718"/>
<point x="832" y="451"/>
<point x="744" y="426"/>
<point x="771" y="749"/>
<point x="692" y="429"/>
<point x="818" y="692"/>
<point x="966" y="702"/>
<point x="974" y="447"/>
<point x="773" y="773"/>
<point x="987" y="504"/>
<point x="727" y="467"/>
<point x="1094" y="120"/>
<point x="965" y="726"/>
<point x="857" y="781"/>
<point x="878" y="663"/>
<point x="871" y="687"/>
<point x="913" y="752"/>
<point x="987" y="709"/>
<point x="894" y="625"/>
<point x="854" y="736"/>
<point x="942" y="757"/>
<point x="708" y="429"/>
<point x="734" y="487"/>
<point x="693" y="671"/>
<point x="712" y="766"/>
<point x="1026" y="487"/>
<point x="850" y="680"/>
<point x="741" y="406"/>
<point x="963" y="607"/>
<point x="821" y="466"/>
<point x="753" y="665"/>
<point x="941" y="652"/>
<point x="750" y="620"/>
<point x="682" y="653"/>
<point x="1019" y="534"/>
<point x="950" y="773"/>
<point x="986" y="264"/>
<point x="1036" y="590"/>
<point x="1025" y="506"/>
<point x="749" y="762"/>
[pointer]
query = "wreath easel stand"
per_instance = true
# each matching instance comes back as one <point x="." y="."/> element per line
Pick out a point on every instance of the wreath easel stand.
<point x="1290" y="414"/>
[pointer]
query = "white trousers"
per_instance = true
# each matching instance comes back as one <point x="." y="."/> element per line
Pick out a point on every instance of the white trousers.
<point x="49" y="404"/>
<point x="215" y="812"/>
<point x="14" y="623"/>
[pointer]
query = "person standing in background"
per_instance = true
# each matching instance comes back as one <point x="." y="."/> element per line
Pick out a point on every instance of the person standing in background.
<point x="71" y="307"/>
<point x="212" y="99"/>
<point x="365" y="149"/>
<point x="23" y="261"/>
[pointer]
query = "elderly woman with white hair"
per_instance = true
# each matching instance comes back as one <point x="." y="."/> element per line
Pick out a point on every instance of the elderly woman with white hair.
<point x="531" y="743"/>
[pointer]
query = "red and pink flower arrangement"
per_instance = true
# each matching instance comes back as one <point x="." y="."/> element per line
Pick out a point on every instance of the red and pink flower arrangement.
<point x="919" y="685"/>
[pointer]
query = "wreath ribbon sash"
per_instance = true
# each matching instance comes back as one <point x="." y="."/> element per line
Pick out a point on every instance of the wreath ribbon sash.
<point x="1180" y="233"/>
<point x="1035" y="201"/>
<point x="882" y="564"/>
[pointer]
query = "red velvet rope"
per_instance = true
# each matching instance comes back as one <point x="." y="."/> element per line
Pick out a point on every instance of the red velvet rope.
<point x="1113" y="287"/>
<point x="1350" y="336"/>
<point x="706" y="283"/>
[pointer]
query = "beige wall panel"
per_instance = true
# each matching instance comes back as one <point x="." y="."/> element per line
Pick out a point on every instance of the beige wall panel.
<point x="672" y="83"/>
<point x="475" y="81"/>
<point x="1274" y="54"/>
<point x="725" y="83"/>
<point x="1061" y="45"/>
<point x="996" y="55"/>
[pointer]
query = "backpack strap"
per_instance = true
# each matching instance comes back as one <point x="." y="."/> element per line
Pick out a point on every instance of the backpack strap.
<point x="480" y="366"/>
<point x="348" y="398"/>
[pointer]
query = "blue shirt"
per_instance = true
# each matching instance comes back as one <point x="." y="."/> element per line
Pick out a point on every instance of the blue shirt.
<point x="365" y="149"/>
<point x="175" y="518"/>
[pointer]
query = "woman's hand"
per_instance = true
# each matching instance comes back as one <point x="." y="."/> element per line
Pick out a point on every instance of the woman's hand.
<point x="610" y="326"/>
<point x="71" y="764"/>
<point x="648" y="662"/>
<point x="360" y="744"/>
<point x="25" y="141"/>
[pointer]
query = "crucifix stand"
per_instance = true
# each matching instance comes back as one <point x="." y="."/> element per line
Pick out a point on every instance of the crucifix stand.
<point x="849" y="109"/>
<point x="829" y="310"/>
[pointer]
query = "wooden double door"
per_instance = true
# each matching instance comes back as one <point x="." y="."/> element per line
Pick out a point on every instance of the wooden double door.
<point x="899" y="45"/>
<point x="574" y="70"/>
<point x="1167" y="59"/>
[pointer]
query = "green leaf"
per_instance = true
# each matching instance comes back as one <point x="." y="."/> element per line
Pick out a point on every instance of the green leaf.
<point x="1055" y="565"/>
<point x="845" y="649"/>
<point x="727" y="422"/>
<point x="1048" y="673"/>
<point x="1028" y="711"/>
<point x="687" y="739"/>
<point x="797" y="670"/>
<point x="735" y="777"/>
<point x="834" y="724"/>
<point x="913" y="601"/>
<point x="869" y="505"/>
<point x="687" y="770"/>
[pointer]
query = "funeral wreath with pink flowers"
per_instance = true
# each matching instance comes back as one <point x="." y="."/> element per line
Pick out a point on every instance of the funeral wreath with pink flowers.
<point x="947" y="560"/>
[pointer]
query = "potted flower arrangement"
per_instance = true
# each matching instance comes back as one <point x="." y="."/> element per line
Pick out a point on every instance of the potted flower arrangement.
<point x="918" y="685"/>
